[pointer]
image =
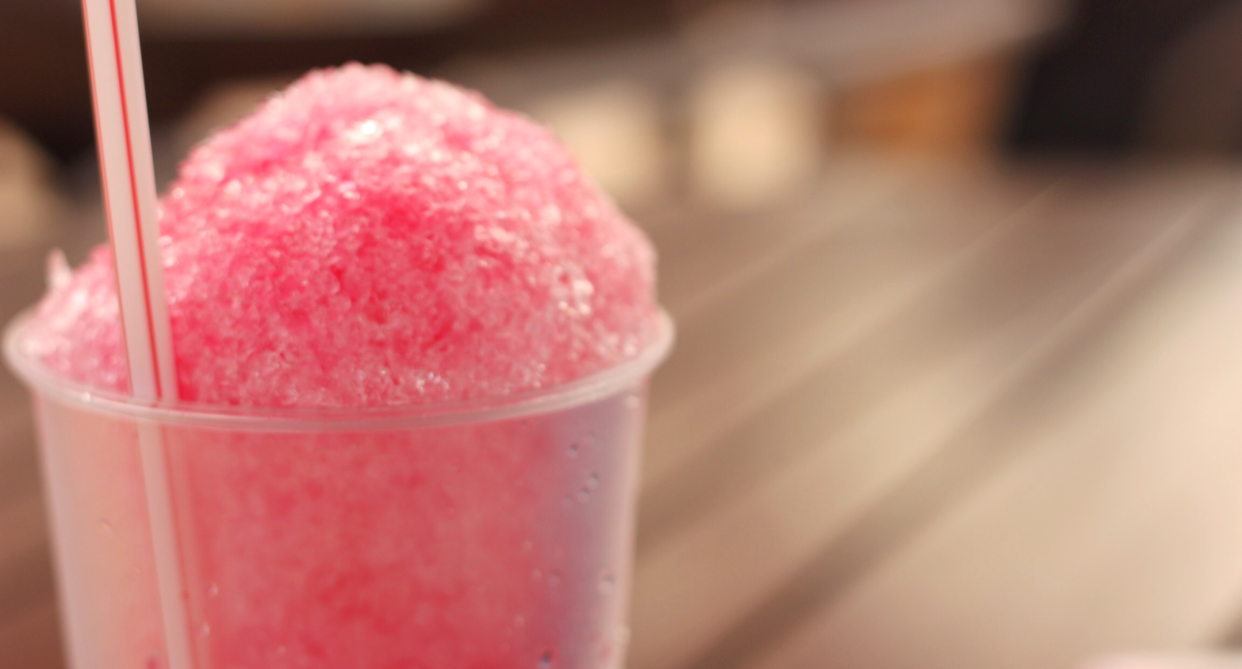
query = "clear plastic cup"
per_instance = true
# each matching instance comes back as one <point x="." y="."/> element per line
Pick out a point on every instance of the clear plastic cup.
<point x="490" y="533"/>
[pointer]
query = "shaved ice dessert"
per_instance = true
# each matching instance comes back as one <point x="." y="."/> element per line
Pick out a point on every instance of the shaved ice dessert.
<point x="371" y="238"/>
<point x="411" y="341"/>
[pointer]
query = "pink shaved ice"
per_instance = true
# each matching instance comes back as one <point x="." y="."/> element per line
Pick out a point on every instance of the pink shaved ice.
<point x="374" y="238"/>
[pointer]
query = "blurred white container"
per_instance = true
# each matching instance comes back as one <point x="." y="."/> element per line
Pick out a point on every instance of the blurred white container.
<point x="29" y="204"/>
<point x="755" y="133"/>
<point x="615" y="130"/>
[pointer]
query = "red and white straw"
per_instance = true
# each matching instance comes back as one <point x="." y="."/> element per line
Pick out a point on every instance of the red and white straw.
<point x="124" y="139"/>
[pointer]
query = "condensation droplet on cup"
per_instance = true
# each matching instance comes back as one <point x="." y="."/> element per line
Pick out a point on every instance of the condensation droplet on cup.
<point x="153" y="661"/>
<point x="105" y="528"/>
<point x="527" y="546"/>
<point x="537" y="575"/>
<point x="519" y="621"/>
<point x="573" y="451"/>
<point x="282" y="650"/>
<point x="204" y="630"/>
<point x="554" y="578"/>
<point x="545" y="660"/>
<point x="592" y="483"/>
<point x="607" y="584"/>
<point x="213" y="590"/>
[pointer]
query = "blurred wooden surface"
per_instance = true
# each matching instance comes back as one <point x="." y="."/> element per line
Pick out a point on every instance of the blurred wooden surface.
<point x="926" y="417"/>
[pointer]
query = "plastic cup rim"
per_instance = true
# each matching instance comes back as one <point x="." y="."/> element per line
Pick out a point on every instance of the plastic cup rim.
<point x="596" y="386"/>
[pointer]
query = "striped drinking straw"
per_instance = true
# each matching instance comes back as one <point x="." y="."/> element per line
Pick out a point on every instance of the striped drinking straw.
<point x="128" y="175"/>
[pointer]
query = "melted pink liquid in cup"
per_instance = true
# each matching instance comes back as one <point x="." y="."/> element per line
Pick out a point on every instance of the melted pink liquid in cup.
<point x="413" y="341"/>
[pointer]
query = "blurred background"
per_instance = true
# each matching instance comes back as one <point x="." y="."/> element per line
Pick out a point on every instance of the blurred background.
<point x="958" y="284"/>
